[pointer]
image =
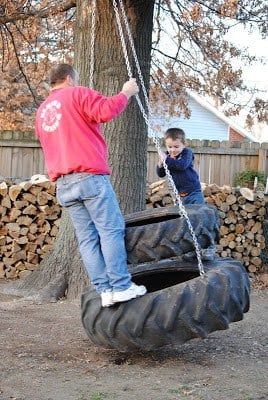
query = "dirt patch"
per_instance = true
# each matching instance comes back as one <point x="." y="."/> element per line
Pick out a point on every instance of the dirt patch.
<point x="46" y="355"/>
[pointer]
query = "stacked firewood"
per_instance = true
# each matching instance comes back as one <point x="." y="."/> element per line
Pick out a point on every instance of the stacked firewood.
<point x="241" y="232"/>
<point x="29" y="222"/>
<point x="30" y="217"/>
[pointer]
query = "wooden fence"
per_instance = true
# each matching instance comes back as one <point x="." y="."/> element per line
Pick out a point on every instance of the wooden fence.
<point x="216" y="162"/>
<point x="21" y="155"/>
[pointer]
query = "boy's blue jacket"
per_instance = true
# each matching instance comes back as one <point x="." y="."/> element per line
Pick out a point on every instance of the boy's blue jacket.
<point x="186" y="179"/>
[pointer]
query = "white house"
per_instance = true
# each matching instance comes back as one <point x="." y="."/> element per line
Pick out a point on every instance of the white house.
<point x="206" y="123"/>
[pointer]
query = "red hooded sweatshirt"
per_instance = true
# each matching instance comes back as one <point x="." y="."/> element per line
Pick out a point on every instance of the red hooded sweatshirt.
<point x="68" y="127"/>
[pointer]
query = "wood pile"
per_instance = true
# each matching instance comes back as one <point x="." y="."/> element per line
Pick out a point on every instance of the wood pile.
<point x="30" y="217"/>
<point x="29" y="222"/>
<point x="241" y="219"/>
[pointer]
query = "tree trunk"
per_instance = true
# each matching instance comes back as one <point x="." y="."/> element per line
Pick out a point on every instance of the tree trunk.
<point x="126" y="135"/>
<point x="61" y="273"/>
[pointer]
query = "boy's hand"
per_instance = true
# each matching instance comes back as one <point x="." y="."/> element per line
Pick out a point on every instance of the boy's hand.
<point x="162" y="158"/>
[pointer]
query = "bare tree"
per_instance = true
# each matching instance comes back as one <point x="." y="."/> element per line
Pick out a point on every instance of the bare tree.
<point x="189" y="49"/>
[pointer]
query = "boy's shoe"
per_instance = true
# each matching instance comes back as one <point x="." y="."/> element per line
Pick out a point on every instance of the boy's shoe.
<point x="131" y="293"/>
<point x="107" y="299"/>
<point x="208" y="254"/>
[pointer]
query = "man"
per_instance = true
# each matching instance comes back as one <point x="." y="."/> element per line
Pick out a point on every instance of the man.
<point x="68" y="127"/>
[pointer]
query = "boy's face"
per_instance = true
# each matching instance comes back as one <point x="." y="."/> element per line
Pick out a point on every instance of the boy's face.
<point x="174" y="147"/>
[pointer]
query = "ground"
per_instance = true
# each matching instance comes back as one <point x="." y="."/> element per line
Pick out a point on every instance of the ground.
<point x="46" y="355"/>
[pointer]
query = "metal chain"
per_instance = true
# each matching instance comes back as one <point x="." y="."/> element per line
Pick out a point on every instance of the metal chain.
<point x="135" y="55"/>
<point x="92" y="43"/>
<point x="171" y="183"/>
<point x="122" y="38"/>
<point x="124" y="47"/>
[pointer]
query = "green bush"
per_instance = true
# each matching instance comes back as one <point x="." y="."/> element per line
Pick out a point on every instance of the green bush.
<point x="246" y="178"/>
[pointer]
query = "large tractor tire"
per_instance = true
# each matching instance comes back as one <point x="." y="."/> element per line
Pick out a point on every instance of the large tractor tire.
<point x="163" y="233"/>
<point x="180" y="305"/>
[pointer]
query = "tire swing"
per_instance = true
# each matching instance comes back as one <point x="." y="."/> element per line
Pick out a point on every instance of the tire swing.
<point x="186" y="298"/>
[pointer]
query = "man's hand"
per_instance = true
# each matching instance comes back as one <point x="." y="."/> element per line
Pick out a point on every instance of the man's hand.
<point x="130" y="88"/>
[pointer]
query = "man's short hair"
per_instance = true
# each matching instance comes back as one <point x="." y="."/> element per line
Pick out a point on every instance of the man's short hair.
<point x="59" y="73"/>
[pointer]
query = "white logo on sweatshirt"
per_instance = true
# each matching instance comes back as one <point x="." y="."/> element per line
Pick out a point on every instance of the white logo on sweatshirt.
<point x="51" y="116"/>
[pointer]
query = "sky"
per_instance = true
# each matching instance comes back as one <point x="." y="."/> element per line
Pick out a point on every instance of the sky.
<point x="256" y="75"/>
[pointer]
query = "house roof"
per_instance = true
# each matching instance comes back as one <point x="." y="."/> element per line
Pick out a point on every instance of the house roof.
<point x="208" y="106"/>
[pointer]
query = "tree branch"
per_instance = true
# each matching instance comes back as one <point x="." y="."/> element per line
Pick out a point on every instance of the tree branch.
<point x="45" y="12"/>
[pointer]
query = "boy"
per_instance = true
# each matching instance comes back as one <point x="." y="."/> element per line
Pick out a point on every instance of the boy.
<point x="179" y="160"/>
<point x="180" y="163"/>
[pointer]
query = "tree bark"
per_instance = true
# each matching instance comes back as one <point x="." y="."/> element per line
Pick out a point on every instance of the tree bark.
<point x="126" y="135"/>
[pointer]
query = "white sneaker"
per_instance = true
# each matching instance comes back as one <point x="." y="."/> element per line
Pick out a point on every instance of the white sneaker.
<point x="107" y="299"/>
<point x="131" y="293"/>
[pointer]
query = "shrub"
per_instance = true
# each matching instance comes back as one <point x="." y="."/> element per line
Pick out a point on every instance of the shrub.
<point x="246" y="178"/>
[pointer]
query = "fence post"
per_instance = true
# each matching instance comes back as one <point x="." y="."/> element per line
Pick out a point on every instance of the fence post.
<point x="262" y="158"/>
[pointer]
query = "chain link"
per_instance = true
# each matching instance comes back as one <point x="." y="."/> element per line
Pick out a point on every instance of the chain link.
<point x="176" y="197"/>
<point x="135" y="56"/>
<point x="92" y="43"/>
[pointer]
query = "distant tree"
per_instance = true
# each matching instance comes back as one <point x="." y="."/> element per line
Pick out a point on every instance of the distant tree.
<point x="201" y="59"/>
<point x="189" y="50"/>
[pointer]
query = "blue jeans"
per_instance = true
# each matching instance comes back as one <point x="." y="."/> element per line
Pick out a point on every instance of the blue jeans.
<point x="196" y="197"/>
<point x="99" y="227"/>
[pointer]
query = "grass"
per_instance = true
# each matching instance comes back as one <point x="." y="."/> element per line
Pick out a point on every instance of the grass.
<point x="185" y="390"/>
<point x="98" y="396"/>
